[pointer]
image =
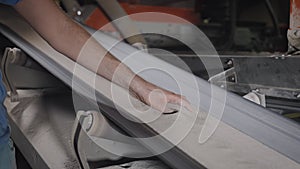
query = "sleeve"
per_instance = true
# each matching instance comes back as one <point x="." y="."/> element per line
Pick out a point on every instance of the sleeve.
<point x="9" y="2"/>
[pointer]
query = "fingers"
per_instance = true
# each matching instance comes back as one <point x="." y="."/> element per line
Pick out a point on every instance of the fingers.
<point x="180" y="100"/>
<point x="159" y="98"/>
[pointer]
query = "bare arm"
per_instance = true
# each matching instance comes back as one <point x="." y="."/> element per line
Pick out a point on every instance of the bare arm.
<point x="68" y="38"/>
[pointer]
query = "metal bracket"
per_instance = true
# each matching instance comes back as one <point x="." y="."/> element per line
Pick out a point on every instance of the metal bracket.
<point x="222" y="77"/>
<point x="10" y="56"/>
<point x="256" y="97"/>
<point x="92" y="132"/>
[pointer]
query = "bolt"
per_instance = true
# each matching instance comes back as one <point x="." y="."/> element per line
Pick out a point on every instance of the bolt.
<point x="229" y="62"/>
<point x="78" y="13"/>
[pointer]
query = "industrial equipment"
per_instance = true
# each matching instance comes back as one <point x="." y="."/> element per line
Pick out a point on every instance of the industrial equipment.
<point x="42" y="115"/>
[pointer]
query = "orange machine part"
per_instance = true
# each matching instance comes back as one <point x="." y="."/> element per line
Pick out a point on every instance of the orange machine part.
<point x="295" y="14"/>
<point x="97" y="19"/>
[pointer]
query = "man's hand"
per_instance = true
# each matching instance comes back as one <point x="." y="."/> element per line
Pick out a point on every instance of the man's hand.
<point x="157" y="97"/>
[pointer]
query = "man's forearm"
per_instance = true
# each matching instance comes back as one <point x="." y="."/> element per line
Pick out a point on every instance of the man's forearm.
<point x="73" y="41"/>
<point x="59" y="31"/>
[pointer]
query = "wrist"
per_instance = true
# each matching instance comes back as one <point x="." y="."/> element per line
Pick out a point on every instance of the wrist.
<point x="140" y="86"/>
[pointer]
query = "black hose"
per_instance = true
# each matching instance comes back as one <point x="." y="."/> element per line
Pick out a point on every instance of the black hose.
<point x="274" y="17"/>
<point x="76" y="139"/>
<point x="233" y="18"/>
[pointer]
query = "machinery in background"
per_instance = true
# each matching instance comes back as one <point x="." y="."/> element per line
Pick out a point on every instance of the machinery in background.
<point x="231" y="25"/>
<point x="274" y="79"/>
<point x="89" y="13"/>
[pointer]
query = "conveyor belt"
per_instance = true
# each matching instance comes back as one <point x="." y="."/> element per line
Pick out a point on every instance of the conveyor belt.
<point x="247" y="137"/>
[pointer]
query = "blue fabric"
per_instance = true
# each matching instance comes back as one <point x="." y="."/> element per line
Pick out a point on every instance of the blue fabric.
<point x="4" y="129"/>
<point x="7" y="156"/>
<point x="9" y="2"/>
